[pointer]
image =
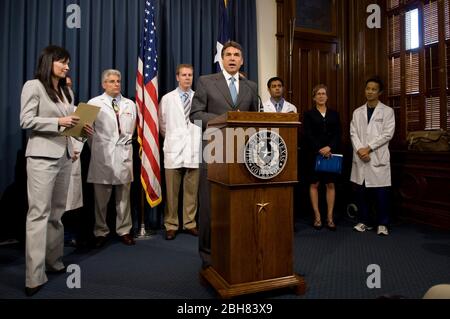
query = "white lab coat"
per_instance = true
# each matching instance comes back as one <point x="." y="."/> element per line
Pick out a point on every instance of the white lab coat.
<point x="287" y="107"/>
<point x="376" y="135"/>
<point x="112" y="154"/>
<point x="182" y="141"/>
<point x="75" y="193"/>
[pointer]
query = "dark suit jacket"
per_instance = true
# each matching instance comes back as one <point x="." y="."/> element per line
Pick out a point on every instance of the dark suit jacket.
<point x="321" y="131"/>
<point x="212" y="98"/>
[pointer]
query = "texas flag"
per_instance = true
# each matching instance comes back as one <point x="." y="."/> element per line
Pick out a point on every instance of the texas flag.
<point x="224" y="36"/>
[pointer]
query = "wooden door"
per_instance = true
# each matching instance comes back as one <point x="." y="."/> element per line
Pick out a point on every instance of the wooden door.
<point x="314" y="62"/>
<point x="311" y="42"/>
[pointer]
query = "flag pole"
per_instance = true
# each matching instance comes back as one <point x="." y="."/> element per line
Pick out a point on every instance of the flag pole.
<point x="143" y="233"/>
<point x="147" y="103"/>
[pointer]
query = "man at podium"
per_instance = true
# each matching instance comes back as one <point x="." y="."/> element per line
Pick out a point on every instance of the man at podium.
<point x="217" y="94"/>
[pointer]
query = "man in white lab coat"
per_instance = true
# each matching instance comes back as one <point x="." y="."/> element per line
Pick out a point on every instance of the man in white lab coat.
<point x="181" y="153"/>
<point x="277" y="103"/>
<point x="371" y="129"/>
<point x="111" y="164"/>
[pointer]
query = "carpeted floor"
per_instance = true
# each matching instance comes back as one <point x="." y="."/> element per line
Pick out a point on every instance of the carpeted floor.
<point x="334" y="264"/>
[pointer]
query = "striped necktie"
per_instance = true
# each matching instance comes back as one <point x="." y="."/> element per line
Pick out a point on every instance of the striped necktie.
<point x="187" y="106"/>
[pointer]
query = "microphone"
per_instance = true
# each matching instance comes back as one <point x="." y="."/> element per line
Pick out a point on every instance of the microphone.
<point x="260" y="104"/>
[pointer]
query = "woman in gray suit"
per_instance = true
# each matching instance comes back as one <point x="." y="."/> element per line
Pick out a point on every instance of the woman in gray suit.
<point x="46" y="105"/>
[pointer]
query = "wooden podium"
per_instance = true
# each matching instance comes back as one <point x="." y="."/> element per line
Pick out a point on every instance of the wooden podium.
<point x="252" y="218"/>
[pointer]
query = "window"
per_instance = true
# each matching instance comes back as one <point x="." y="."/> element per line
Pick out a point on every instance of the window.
<point x="412" y="29"/>
<point x="419" y="63"/>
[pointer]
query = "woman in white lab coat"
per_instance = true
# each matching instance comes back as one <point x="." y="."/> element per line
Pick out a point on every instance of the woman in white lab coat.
<point x="75" y="194"/>
<point x="371" y="129"/>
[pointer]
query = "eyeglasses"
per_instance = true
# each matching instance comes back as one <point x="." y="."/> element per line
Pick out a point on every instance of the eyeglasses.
<point x="113" y="81"/>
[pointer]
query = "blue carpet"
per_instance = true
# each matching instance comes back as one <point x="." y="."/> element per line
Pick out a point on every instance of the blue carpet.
<point x="334" y="264"/>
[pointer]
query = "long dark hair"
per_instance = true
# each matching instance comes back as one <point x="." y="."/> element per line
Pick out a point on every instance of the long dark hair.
<point x="44" y="72"/>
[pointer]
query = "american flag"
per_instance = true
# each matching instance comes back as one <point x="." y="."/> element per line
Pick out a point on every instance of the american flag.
<point x="147" y="102"/>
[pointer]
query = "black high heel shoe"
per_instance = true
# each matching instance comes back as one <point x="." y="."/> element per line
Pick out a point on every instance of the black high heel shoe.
<point x="331" y="226"/>
<point x="317" y="225"/>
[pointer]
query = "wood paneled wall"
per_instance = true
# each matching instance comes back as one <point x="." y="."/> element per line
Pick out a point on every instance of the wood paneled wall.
<point x="366" y="51"/>
<point x="421" y="181"/>
<point x="360" y="52"/>
<point x="421" y="184"/>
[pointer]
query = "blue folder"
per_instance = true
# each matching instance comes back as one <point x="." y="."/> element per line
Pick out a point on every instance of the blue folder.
<point x="332" y="164"/>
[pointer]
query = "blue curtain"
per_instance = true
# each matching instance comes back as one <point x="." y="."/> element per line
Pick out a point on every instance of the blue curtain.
<point x="108" y="38"/>
<point x="188" y="31"/>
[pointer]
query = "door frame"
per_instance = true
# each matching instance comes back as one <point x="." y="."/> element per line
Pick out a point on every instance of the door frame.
<point x="286" y="31"/>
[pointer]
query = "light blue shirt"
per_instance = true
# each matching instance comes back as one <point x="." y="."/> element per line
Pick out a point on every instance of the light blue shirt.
<point x="281" y="102"/>
<point x="117" y="98"/>
<point x="181" y="93"/>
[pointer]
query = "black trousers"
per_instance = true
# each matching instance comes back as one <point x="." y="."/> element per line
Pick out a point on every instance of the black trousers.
<point x="378" y="196"/>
